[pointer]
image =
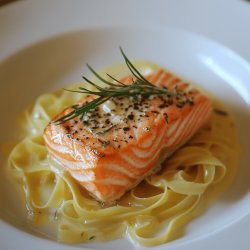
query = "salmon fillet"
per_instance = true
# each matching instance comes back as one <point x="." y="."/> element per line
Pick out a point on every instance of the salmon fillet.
<point x="124" y="140"/>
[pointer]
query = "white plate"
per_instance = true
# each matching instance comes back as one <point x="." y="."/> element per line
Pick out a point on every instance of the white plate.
<point x="40" y="62"/>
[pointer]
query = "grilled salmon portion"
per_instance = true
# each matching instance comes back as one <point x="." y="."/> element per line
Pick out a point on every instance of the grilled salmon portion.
<point x="113" y="148"/>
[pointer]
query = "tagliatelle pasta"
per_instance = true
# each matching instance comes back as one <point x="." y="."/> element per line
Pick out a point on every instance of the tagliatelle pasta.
<point x="154" y="212"/>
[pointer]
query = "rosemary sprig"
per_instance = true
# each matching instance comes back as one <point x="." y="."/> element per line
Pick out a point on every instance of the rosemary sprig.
<point x="139" y="87"/>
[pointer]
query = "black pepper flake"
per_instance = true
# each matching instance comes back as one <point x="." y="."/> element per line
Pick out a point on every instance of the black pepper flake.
<point x="191" y="103"/>
<point x="126" y="129"/>
<point x="125" y="120"/>
<point x="130" y="137"/>
<point x="170" y="102"/>
<point x="179" y="105"/>
<point x="107" y="121"/>
<point x="161" y="98"/>
<point x="163" y="105"/>
<point x="131" y="116"/>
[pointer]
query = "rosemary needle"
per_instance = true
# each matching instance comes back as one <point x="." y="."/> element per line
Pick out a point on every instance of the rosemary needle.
<point x="139" y="87"/>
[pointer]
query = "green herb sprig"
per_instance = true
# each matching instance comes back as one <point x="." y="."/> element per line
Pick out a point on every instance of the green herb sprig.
<point x="139" y="87"/>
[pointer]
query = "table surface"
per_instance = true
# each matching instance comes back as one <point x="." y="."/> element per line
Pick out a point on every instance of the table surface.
<point x="225" y="21"/>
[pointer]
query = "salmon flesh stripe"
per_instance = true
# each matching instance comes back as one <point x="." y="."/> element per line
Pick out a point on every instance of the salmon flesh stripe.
<point x="116" y="146"/>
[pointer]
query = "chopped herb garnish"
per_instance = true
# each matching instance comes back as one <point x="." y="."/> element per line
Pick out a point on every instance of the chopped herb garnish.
<point x="105" y="131"/>
<point x="55" y="215"/>
<point x="92" y="237"/>
<point x="166" y="117"/>
<point x="104" y="143"/>
<point x="220" y="112"/>
<point x="139" y="87"/>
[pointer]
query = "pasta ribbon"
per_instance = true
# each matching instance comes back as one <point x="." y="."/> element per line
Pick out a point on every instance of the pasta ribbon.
<point x="198" y="172"/>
